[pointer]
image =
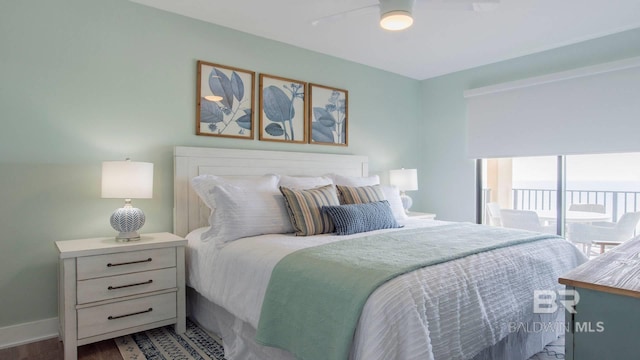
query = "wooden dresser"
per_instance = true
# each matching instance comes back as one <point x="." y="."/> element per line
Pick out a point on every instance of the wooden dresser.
<point x="606" y="321"/>
<point x="108" y="289"/>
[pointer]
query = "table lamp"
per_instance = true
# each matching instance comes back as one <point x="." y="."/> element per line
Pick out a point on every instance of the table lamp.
<point x="127" y="180"/>
<point x="405" y="180"/>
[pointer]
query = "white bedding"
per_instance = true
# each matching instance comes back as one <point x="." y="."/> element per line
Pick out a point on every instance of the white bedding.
<point x="451" y="310"/>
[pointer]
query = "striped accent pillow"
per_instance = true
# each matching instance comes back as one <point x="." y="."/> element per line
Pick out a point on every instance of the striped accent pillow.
<point x="360" y="194"/>
<point x="305" y="209"/>
<point x="357" y="218"/>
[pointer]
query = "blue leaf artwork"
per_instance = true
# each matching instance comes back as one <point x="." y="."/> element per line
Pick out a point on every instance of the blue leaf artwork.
<point x="282" y="116"/>
<point x="225" y="103"/>
<point x="329" y="115"/>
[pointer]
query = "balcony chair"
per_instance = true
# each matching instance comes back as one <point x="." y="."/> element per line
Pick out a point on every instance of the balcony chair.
<point x="524" y="219"/>
<point x="493" y="213"/>
<point x="604" y="233"/>
<point x="597" y="208"/>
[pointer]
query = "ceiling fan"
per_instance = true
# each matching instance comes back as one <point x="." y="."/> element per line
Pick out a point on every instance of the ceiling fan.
<point x="398" y="14"/>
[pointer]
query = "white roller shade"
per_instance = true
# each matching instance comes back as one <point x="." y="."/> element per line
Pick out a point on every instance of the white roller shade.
<point x="584" y="111"/>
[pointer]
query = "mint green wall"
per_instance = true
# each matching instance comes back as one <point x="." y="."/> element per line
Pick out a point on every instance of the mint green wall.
<point x="447" y="176"/>
<point x="90" y="80"/>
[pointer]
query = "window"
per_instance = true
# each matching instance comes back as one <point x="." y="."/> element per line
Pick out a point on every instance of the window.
<point x="524" y="189"/>
<point x="602" y="193"/>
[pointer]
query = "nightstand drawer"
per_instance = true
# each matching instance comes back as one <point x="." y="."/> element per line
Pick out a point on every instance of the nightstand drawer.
<point x="123" y="285"/>
<point x="125" y="314"/>
<point x="90" y="267"/>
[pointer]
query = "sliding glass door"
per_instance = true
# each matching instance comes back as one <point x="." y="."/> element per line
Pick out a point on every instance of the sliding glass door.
<point x="603" y="200"/>
<point x="597" y="196"/>
<point x="520" y="192"/>
<point x="609" y="181"/>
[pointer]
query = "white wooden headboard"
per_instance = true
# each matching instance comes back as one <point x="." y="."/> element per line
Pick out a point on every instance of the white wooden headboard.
<point x="189" y="211"/>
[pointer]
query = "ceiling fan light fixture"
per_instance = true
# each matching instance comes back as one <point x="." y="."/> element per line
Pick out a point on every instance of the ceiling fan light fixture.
<point x="396" y="20"/>
<point x="213" y="97"/>
<point x="396" y="14"/>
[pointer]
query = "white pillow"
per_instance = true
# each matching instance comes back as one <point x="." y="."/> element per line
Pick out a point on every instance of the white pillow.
<point x="242" y="212"/>
<point x="392" y="195"/>
<point x="355" y="180"/>
<point x="304" y="182"/>
<point x="204" y="184"/>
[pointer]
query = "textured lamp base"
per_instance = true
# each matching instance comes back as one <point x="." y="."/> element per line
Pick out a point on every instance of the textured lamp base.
<point x="128" y="236"/>
<point x="406" y="201"/>
<point x="127" y="220"/>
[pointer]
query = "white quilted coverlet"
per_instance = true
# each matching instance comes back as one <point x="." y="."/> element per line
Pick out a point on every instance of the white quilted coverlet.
<point x="451" y="310"/>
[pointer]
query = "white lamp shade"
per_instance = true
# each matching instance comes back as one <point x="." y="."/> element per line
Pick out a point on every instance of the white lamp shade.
<point x="127" y="180"/>
<point x="404" y="179"/>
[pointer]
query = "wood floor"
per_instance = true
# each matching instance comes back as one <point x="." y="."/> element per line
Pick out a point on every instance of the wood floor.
<point x="52" y="350"/>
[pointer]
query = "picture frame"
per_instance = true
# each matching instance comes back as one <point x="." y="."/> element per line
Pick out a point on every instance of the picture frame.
<point x="282" y="109"/>
<point x="328" y="115"/>
<point x="225" y="101"/>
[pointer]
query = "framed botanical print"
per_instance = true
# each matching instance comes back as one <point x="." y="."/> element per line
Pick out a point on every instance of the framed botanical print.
<point x="328" y="115"/>
<point x="282" y="109"/>
<point x="225" y="98"/>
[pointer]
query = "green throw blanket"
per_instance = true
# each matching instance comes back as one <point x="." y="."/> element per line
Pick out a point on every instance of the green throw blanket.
<point x="315" y="295"/>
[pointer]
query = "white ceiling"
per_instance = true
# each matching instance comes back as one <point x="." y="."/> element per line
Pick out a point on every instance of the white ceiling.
<point x="441" y="41"/>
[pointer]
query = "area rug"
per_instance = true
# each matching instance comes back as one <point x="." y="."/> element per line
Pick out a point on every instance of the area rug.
<point x="553" y="351"/>
<point x="197" y="344"/>
<point x="164" y="344"/>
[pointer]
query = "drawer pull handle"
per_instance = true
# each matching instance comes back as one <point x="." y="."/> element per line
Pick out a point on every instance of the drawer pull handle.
<point x="125" y="315"/>
<point x="129" y="263"/>
<point x="126" y="286"/>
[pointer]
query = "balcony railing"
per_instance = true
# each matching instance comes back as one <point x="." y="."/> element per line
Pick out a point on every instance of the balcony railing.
<point x="616" y="203"/>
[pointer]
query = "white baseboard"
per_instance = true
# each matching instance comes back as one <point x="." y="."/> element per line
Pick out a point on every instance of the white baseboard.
<point x="19" y="334"/>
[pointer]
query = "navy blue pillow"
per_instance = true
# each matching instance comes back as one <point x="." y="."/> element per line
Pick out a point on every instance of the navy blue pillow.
<point x="356" y="218"/>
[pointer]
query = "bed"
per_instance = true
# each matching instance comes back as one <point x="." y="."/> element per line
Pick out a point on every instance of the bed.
<point x="479" y="305"/>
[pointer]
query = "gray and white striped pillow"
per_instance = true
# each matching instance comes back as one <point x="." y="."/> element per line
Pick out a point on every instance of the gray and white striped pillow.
<point x="359" y="194"/>
<point x="305" y="209"/>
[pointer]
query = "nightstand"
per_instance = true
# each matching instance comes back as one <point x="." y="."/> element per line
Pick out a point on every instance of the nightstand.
<point x="604" y="297"/>
<point x="421" y="215"/>
<point x="108" y="289"/>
